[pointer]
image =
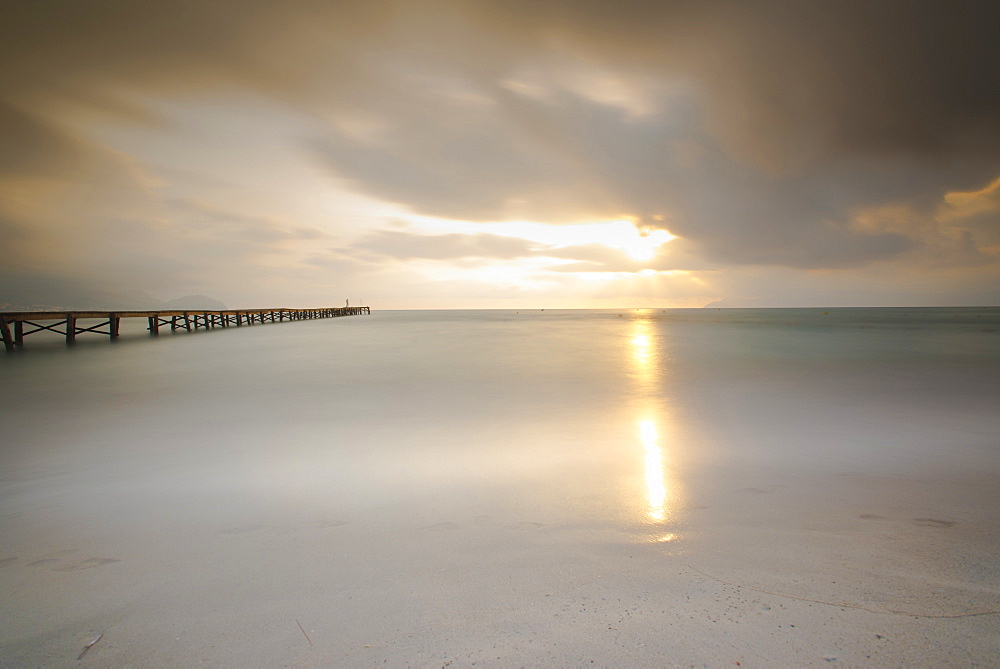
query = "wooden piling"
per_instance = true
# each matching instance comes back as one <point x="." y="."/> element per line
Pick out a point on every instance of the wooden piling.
<point x="113" y="323"/>
<point x="70" y="328"/>
<point x="19" y="333"/>
<point x="8" y="340"/>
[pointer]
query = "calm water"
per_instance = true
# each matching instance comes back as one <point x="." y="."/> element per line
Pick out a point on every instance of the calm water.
<point x="401" y="403"/>
<point x="731" y="438"/>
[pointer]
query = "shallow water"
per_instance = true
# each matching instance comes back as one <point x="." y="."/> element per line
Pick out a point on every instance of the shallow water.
<point x="771" y="448"/>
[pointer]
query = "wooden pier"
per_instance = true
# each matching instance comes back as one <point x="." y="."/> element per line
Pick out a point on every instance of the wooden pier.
<point x="16" y="325"/>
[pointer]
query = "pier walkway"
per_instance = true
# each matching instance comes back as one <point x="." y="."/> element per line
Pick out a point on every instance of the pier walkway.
<point x="16" y="325"/>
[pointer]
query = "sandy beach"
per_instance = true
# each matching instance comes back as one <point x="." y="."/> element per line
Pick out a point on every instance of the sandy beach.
<point x="614" y="500"/>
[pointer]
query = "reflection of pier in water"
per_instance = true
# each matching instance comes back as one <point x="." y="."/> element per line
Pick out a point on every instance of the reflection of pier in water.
<point x="16" y="325"/>
<point x="653" y="419"/>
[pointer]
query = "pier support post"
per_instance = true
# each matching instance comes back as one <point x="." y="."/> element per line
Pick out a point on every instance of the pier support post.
<point x="113" y="323"/>
<point x="18" y="333"/>
<point x="187" y="321"/>
<point x="70" y="328"/>
<point x="8" y="341"/>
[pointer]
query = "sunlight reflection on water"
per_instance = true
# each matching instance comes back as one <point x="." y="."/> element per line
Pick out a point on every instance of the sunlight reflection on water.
<point x="653" y="423"/>
<point x="657" y="489"/>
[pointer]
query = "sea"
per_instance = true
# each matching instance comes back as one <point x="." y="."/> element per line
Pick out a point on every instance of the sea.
<point x="763" y="446"/>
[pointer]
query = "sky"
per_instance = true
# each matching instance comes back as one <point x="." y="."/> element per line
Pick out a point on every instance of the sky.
<point x="500" y="154"/>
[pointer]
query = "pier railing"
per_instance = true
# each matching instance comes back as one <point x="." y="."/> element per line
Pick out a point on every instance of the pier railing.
<point x="16" y="325"/>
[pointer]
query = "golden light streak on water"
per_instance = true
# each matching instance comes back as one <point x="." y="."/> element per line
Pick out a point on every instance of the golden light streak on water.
<point x="641" y="343"/>
<point x="644" y="359"/>
<point x="643" y="356"/>
<point x="655" y="484"/>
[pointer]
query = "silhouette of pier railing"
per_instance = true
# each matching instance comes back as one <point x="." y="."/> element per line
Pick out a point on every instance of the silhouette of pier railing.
<point x="16" y="325"/>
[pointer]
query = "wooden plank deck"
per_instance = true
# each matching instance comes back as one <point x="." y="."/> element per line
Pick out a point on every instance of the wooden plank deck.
<point x="16" y="325"/>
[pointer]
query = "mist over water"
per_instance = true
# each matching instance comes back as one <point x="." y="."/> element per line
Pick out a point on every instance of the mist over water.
<point x="729" y="439"/>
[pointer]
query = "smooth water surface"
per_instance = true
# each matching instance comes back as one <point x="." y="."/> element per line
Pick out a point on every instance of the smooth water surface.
<point x="845" y="455"/>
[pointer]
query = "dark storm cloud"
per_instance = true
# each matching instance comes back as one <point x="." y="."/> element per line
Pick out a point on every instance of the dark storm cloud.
<point x="770" y="123"/>
<point x="809" y="113"/>
<point x="63" y="46"/>
<point x="31" y="147"/>
<point x="793" y="76"/>
<point x="608" y="164"/>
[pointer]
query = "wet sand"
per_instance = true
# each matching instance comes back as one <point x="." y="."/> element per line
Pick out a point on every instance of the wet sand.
<point x="547" y="522"/>
<point x="442" y="582"/>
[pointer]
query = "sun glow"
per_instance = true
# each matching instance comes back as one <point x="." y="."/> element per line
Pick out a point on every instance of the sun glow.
<point x="645" y="244"/>
<point x="638" y="243"/>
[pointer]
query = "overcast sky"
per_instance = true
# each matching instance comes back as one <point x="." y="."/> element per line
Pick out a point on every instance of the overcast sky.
<point x="509" y="153"/>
